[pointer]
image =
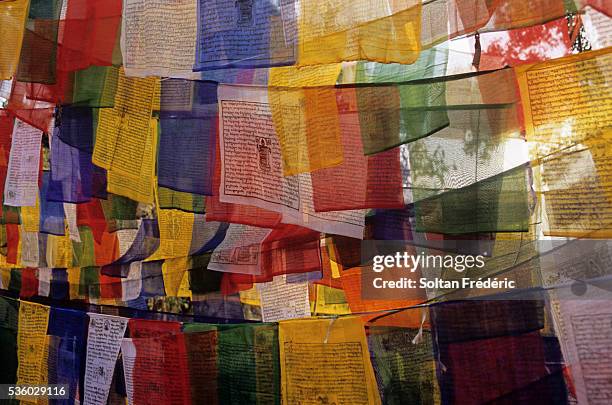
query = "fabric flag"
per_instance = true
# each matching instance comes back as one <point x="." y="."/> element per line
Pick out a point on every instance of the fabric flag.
<point x="51" y="212"/>
<point x="58" y="251"/>
<point x="305" y="119"/>
<point x="152" y="279"/>
<point x="131" y="286"/>
<point x="525" y="45"/>
<point x="282" y="300"/>
<point x="27" y="105"/>
<point x="152" y="344"/>
<point x="403" y="360"/>
<point x="59" y="289"/>
<point x="467" y="16"/>
<point x="597" y="25"/>
<point x="144" y="244"/>
<point x="354" y="285"/>
<point x="543" y="88"/>
<point x="576" y="196"/>
<point x="326" y="360"/>
<point x="90" y="29"/>
<point x="126" y="139"/>
<point x="76" y="128"/>
<point x="522" y="379"/>
<point x="73" y="176"/>
<point x="94" y="86"/>
<point x="206" y="236"/>
<point x="574" y="137"/>
<point x="248" y="364"/>
<point x="172" y="199"/>
<point x="359" y="181"/>
<point x="74" y="179"/>
<point x="142" y="187"/>
<point x="148" y="48"/>
<point x="411" y="111"/>
<point x="37" y="61"/>
<point x="175" y="230"/>
<point x="264" y="184"/>
<point x="160" y="370"/>
<point x="21" y="187"/>
<point x="44" y="281"/>
<point x="103" y="344"/>
<point x="290" y="249"/>
<point x="600" y="5"/>
<point x="29" y="283"/>
<point x="33" y="322"/>
<point x="245" y="34"/>
<point x="7" y="125"/>
<point x="68" y="330"/>
<point x="381" y="31"/>
<point x="188" y="136"/>
<point x="202" y="362"/>
<point x="497" y="204"/>
<point x="12" y="25"/>
<point x="240" y="250"/>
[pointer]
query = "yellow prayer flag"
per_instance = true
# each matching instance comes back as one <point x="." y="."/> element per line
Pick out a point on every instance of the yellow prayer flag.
<point x="124" y="130"/>
<point x="565" y="100"/>
<point x="12" y="25"/>
<point x="31" y="333"/>
<point x="175" y="232"/>
<point x="30" y="217"/>
<point x="59" y="251"/>
<point x="5" y="274"/>
<point x="350" y="30"/>
<point x="74" y="281"/>
<point x="173" y="271"/>
<point x="326" y="361"/>
<point x="250" y="297"/>
<point x="305" y="115"/>
<point x="138" y="185"/>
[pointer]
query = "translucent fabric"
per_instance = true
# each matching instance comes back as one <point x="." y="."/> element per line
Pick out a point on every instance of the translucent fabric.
<point x="251" y="352"/>
<point x="90" y="34"/>
<point x="466" y="16"/>
<point x="72" y="173"/>
<point x="302" y="103"/>
<point x="160" y="369"/>
<point x="12" y="26"/>
<point x="512" y="339"/>
<point x="246" y="34"/>
<point x="188" y="136"/>
<point x="335" y="31"/>
<point x="7" y="123"/>
<point x="416" y="110"/>
<point x="405" y="369"/>
<point x="172" y="199"/>
<point x="206" y="235"/>
<point x="550" y="126"/>
<point x="497" y="204"/>
<point x="94" y="86"/>
<point x="152" y="279"/>
<point x="37" y="61"/>
<point x="66" y="361"/>
<point x="24" y="104"/>
<point x="576" y="196"/>
<point x="51" y="212"/>
<point x="359" y="181"/>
